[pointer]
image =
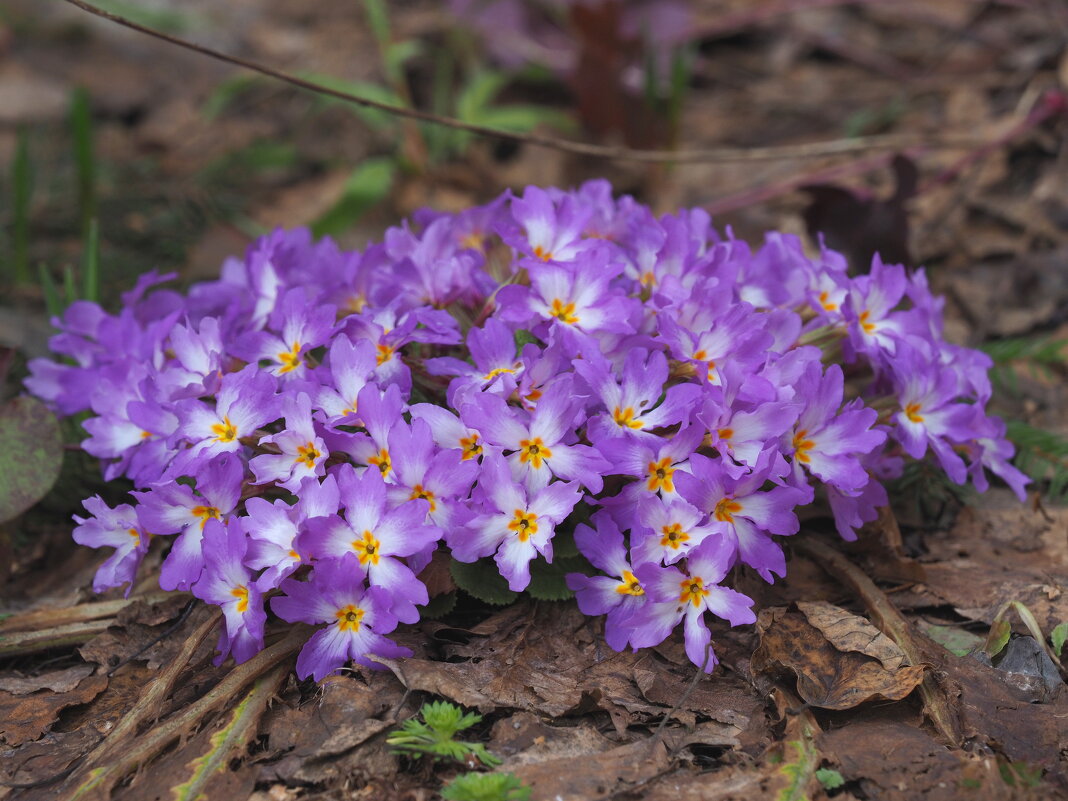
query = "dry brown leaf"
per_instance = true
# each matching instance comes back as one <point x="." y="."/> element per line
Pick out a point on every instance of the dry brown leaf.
<point x="826" y="677"/>
<point x="849" y="632"/>
<point x="593" y="776"/>
<point x="27" y="717"/>
<point x="58" y="681"/>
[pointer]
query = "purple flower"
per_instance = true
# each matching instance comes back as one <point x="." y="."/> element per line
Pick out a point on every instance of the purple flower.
<point x="246" y="401"/>
<point x="546" y="232"/>
<point x="744" y="512"/>
<point x="350" y="368"/>
<point x="172" y="508"/>
<point x="617" y="594"/>
<point x="674" y="596"/>
<point x="272" y="529"/>
<point x="357" y="616"/>
<point x="302" y="451"/>
<point x="116" y="528"/>
<point x="633" y="404"/>
<point x="227" y="583"/>
<point x="376" y="534"/>
<point x="301" y="327"/>
<point x="521" y="526"/>
<point x="495" y="367"/>
<point x="536" y="442"/>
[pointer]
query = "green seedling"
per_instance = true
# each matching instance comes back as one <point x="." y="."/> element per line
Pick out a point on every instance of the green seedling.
<point x="485" y="787"/>
<point x="433" y="735"/>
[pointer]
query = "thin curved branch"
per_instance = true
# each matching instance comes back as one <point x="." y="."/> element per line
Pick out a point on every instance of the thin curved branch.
<point x="832" y="147"/>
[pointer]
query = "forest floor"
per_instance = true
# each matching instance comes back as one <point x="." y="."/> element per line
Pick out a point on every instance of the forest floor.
<point x="193" y="158"/>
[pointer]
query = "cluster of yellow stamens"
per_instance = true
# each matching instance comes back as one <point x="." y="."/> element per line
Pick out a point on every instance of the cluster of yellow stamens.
<point x="368" y="549"/>
<point x="533" y="451"/>
<point x="524" y="524"/>
<point x="307" y="454"/>
<point x="224" y="431"/>
<point x="564" y="312"/>
<point x="726" y="509"/>
<point x="660" y="474"/>
<point x="624" y="418"/>
<point x="382" y="461"/>
<point x="673" y="537"/>
<point x="291" y="360"/>
<point x="693" y="591"/>
<point x="349" y="617"/>
<point x="630" y="585"/>
<point x="418" y="492"/>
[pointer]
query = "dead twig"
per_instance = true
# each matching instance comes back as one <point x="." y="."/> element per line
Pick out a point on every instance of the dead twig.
<point x="832" y="147"/>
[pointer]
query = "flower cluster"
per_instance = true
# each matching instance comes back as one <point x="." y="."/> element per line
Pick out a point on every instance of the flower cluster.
<point x="305" y="432"/>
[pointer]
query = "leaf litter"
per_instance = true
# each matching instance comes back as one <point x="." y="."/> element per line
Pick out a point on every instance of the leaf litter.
<point x="822" y="681"/>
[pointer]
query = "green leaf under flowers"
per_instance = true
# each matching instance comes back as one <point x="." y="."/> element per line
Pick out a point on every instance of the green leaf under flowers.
<point x="439" y="606"/>
<point x="953" y="638"/>
<point x="1058" y="637"/>
<point x="998" y="637"/>
<point x="483" y="581"/>
<point x="31" y="454"/>
<point x="548" y="582"/>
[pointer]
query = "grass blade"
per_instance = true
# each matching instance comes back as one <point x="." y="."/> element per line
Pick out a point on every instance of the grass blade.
<point x="81" y="127"/>
<point x="91" y="263"/>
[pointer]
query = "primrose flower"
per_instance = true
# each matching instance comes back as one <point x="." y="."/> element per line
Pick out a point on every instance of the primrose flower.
<point x="227" y="583"/>
<point x="618" y="594"/>
<point x="518" y="524"/>
<point x="302" y="451"/>
<point x="117" y="528"/>
<point x="536" y="442"/>
<point x="358" y="616"/>
<point x="172" y="508"/>
<point x="300" y="327"/>
<point x="676" y="596"/>
<point x="377" y="535"/>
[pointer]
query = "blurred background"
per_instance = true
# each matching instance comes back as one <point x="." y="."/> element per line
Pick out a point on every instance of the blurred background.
<point x="122" y="153"/>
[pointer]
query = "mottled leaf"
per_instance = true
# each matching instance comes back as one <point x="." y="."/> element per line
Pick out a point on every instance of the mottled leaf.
<point x="31" y="454"/>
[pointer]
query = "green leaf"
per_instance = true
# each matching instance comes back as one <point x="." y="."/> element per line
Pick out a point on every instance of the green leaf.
<point x="798" y="771"/>
<point x="439" y="606"/>
<point x="522" y="118"/>
<point x="547" y="581"/>
<point x="953" y="638"/>
<point x="478" y="93"/>
<point x="31" y="454"/>
<point x="486" y="787"/>
<point x="1058" y="637"/>
<point x="53" y="303"/>
<point x="483" y="581"/>
<point x="367" y="186"/>
<point x="91" y="263"/>
<point x="998" y="637"/>
<point x="830" y="779"/>
<point x="82" y="129"/>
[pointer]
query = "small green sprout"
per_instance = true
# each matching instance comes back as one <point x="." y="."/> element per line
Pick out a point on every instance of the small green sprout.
<point x="830" y="778"/>
<point x="433" y="735"/>
<point x="485" y="787"/>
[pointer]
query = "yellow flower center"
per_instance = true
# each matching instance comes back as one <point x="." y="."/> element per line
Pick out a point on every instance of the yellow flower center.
<point x="660" y="474"/>
<point x="307" y="454"/>
<point x="381" y="461"/>
<point x="564" y="312"/>
<point x="385" y="353"/>
<point x="693" y="590"/>
<point x="673" y="537"/>
<point x="425" y="494"/>
<point x="630" y="585"/>
<point x="295" y="556"/>
<point x="542" y="253"/>
<point x="524" y="524"/>
<point x="349" y="617"/>
<point x="912" y="412"/>
<point x="471" y="447"/>
<point x="802" y="446"/>
<point x="533" y="451"/>
<point x="133" y="532"/>
<point x="367" y="549"/>
<point x="205" y="513"/>
<point x="863" y="319"/>
<point x="726" y="509"/>
<point x="291" y="360"/>
<point x="241" y="593"/>
<point x="224" y="431"/>
<point x="472" y="241"/>
<point x="496" y="372"/>
<point x="725" y="433"/>
<point x="624" y="418"/>
<point x="825" y="302"/>
<point x="647" y="279"/>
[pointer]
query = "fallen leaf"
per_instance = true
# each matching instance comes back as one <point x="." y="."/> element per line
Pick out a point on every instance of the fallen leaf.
<point x="29" y="434"/>
<point x="58" y="681"/>
<point x="826" y="677"/>
<point x="27" y="717"/>
<point x="848" y="632"/>
<point x="592" y="776"/>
